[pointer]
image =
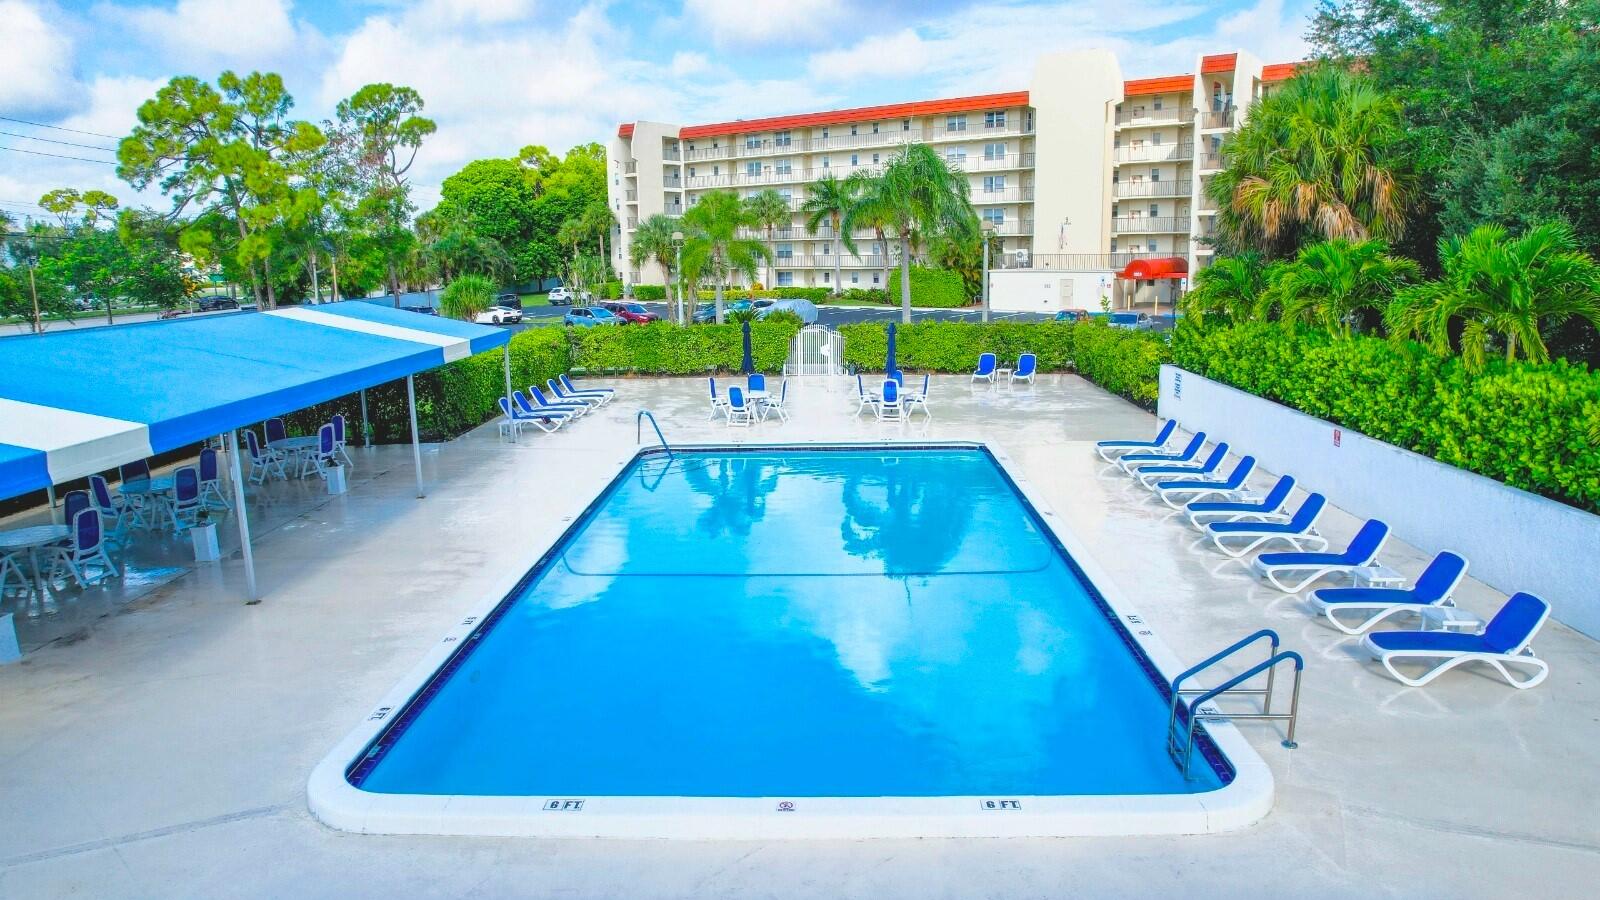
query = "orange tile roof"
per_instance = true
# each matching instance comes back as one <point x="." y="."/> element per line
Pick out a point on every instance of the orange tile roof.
<point x="625" y="130"/>
<point x="1164" y="85"/>
<point x="1280" y="71"/>
<point x="859" y="114"/>
<point x="1221" y="62"/>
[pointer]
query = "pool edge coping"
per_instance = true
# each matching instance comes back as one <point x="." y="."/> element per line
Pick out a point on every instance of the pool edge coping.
<point x="1237" y="804"/>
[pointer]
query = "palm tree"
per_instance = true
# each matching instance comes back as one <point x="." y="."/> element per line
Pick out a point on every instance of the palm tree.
<point x="1500" y="285"/>
<point x="921" y="196"/>
<point x="572" y="234"/>
<point x="1323" y="158"/>
<point x="767" y="210"/>
<point x="830" y="198"/>
<point x="1231" y="289"/>
<point x="596" y="222"/>
<point x="1328" y="283"/>
<point x="466" y="297"/>
<point x="713" y="249"/>
<point x="452" y="244"/>
<point x="868" y="209"/>
<point x="652" y="241"/>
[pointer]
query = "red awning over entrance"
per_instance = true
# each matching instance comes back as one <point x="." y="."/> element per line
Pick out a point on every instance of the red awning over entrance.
<point x="1161" y="267"/>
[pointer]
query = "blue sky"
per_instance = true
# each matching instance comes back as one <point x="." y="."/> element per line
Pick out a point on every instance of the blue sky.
<point x="501" y="74"/>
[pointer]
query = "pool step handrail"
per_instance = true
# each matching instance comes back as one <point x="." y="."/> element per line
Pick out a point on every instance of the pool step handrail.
<point x="1180" y="729"/>
<point x="638" y="430"/>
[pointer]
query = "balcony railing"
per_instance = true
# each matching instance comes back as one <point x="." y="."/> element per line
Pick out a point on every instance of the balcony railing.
<point x="981" y="197"/>
<point x="1014" y="227"/>
<point x="1152" y="188"/>
<point x="1148" y="116"/>
<point x="630" y="167"/>
<point x="1222" y="118"/>
<point x="631" y="196"/>
<point x="1074" y="261"/>
<point x="1153" y="153"/>
<point x="769" y="175"/>
<point x="670" y="154"/>
<point x="673" y="181"/>
<point x="1148" y="224"/>
<point x="982" y="163"/>
<point x="826" y="261"/>
<point x="633" y="221"/>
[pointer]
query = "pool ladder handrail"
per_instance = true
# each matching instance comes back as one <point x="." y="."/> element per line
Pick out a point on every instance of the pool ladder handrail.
<point x="1195" y="712"/>
<point x="638" y="430"/>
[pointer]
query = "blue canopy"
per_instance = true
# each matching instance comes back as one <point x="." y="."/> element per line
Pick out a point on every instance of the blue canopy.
<point x="73" y="403"/>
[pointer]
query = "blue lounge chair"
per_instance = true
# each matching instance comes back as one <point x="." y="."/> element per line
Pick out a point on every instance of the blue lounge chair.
<point x="1027" y="367"/>
<point x="986" y="368"/>
<point x="1149" y="475"/>
<point x="573" y="389"/>
<point x="1179" y="492"/>
<point x="1300" y="532"/>
<point x="562" y="396"/>
<point x="1435" y="587"/>
<point x="1362" y="553"/>
<point x="1503" y="645"/>
<point x="542" y="402"/>
<point x="1265" y="509"/>
<point x="526" y="408"/>
<point x="517" y="418"/>
<point x="1129" y="462"/>
<point x="1110" y="450"/>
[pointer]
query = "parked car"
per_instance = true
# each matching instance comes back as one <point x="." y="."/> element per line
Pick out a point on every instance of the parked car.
<point x="1131" y="321"/>
<point x="499" y="315"/>
<point x="633" y="313"/>
<point x="590" y="316"/>
<point x="170" y="314"/>
<point x="805" y="309"/>
<point x="212" y="304"/>
<point x="510" y="301"/>
<point x="707" y="312"/>
<point x="1072" y="315"/>
<point x="564" y="296"/>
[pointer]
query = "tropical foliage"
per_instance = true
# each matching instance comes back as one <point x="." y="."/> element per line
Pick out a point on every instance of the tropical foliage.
<point x="713" y="249"/>
<point x="917" y="198"/>
<point x="466" y="296"/>
<point x="1330" y="283"/>
<point x="829" y="199"/>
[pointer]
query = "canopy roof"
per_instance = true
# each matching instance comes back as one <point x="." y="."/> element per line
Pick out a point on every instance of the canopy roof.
<point x="73" y="403"/>
<point x="1160" y="267"/>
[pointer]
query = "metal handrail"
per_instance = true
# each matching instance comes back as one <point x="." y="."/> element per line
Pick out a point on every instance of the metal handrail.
<point x="638" y="430"/>
<point x="1194" y="712"/>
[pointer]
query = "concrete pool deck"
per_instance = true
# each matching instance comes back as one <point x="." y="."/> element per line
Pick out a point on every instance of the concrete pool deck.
<point x="163" y="751"/>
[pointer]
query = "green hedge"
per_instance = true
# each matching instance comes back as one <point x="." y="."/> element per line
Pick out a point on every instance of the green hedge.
<point x="609" y="290"/>
<point x="663" y="349"/>
<point x="954" y="346"/>
<point x="1126" y="363"/>
<point x="815" y="295"/>
<point x="934" y="288"/>
<point x="866" y="295"/>
<point x="1530" y="426"/>
<point x="649" y="292"/>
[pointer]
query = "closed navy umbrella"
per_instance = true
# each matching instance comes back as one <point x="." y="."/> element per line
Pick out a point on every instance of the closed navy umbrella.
<point x="748" y="365"/>
<point x="889" y="364"/>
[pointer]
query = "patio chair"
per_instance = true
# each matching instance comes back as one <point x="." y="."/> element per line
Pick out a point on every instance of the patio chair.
<point x="889" y="407"/>
<point x="320" y="457"/>
<point x="138" y="470"/>
<point x="915" y="399"/>
<point x="777" y="404"/>
<point x="756" y="381"/>
<point x="526" y="409"/>
<point x="1130" y="462"/>
<point x="738" y="410"/>
<point x="1300" y="532"/>
<point x="116" y="514"/>
<point x="211" y="495"/>
<point x="1149" y="475"/>
<point x="276" y="431"/>
<point x="264" y="463"/>
<point x="1503" y="646"/>
<point x="1180" y="492"/>
<point x="1027" y="367"/>
<point x="1269" y="508"/>
<point x="867" y="401"/>
<point x="186" y="505"/>
<point x="1435" y="588"/>
<point x="562" y="395"/>
<point x="338" y="440"/>
<point x="608" y="394"/>
<point x="899" y="376"/>
<point x="85" y="547"/>
<point x="1110" y="450"/>
<point x="11" y="568"/>
<point x="577" y="409"/>
<point x="1362" y="553"/>
<point x="986" y="368"/>
<point x="518" y="418"/>
<point x="73" y="503"/>
<point x="718" y="404"/>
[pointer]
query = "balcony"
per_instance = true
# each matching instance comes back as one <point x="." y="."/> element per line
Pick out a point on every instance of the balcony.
<point x="1153" y="153"/>
<point x="708" y="153"/>
<point x="631" y="196"/>
<point x="984" y="163"/>
<point x="1148" y="116"/>
<point x="633" y="221"/>
<point x="1222" y="118"/>
<point x="981" y="197"/>
<point x="1152" y="188"/>
<point x="630" y="167"/>
<point x="1074" y="262"/>
<point x="1014" y="228"/>
<point x="1150" y="224"/>
<point x="670" y="154"/>
<point x="1210" y="161"/>
<point x="673" y="182"/>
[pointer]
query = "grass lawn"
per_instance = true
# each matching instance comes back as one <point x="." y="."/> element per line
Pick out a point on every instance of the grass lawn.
<point x="536" y="299"/>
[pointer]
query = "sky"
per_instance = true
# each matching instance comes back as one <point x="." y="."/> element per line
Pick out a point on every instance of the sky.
<point x="498" y="75"/>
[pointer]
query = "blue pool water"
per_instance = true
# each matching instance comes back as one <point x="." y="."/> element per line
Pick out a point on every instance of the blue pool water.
<point x="844" y="623"/>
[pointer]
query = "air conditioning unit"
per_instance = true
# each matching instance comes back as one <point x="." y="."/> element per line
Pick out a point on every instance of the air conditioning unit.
<point x="1022" y="257"/>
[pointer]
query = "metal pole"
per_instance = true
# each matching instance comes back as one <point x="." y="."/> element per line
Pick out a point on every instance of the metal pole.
<point x="50" y="495"/>
<point x="508" y="387"/>
<point x="252" y="596"/>
<point x="416" y="445"/>
<point x="366" y="429"/>
<point x="677" y="282"/>
<point x="986" y="277"/>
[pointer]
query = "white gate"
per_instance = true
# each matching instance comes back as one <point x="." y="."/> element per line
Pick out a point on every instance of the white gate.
<point x="816" y="350"/>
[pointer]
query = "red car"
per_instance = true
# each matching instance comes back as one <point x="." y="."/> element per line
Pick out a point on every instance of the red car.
<point x="632" y="313"/>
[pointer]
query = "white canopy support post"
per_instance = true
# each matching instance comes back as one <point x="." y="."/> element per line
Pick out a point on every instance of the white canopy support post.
<point x="50" y="495"/>
<point x="252" y="596"/>
<point x="416" y="442"/>
<point x="366" y="430"/>
<point x="508" y="386"/>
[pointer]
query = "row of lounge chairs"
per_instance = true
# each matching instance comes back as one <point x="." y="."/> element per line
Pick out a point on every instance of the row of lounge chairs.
<point x="535" y="409"/>
<point x="1239" y="522"/>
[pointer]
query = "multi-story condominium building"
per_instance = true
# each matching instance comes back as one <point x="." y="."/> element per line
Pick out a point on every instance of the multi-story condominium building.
<point x="1079" y="177"/>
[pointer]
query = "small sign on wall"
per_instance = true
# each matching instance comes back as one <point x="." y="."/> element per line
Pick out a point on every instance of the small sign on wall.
<point x="1338" y="436"/>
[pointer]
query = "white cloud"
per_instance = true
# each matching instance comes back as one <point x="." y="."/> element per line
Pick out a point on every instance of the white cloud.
<point x="36" y="62"/>
<point x="756" y="22"/>
<point x="686" y="63"/>
<point x="242" y="32"/>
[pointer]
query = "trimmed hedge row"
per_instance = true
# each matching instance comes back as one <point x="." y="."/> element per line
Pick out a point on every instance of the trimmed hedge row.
<point x="931" y="288"/>
<point x="954" y="346"/>
<point x="669" y="350"/>
<point x="1126" y="363"/>
<point x="1532" y="426"/>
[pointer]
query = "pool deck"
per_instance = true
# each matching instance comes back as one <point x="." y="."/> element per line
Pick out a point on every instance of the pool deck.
<point x="160" y="747"/>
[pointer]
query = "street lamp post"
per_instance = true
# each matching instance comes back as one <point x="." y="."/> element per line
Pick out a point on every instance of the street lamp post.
<point x="988" y="229"/>
<point x="677" y="273"/>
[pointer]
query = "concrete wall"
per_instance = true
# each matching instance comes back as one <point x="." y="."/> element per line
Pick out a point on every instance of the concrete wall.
<point x="1073" y="95"/>
<point x="1047" y="290"/>
<point x="1514" y="540"/>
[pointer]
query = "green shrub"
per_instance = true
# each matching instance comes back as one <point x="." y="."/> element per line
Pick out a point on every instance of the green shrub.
<point x="1532" y="426"/>
<point x="466" y="296"/>
<point x="651" y="292"/>
<point x="608" y="290"/>
<point x="815" y="295"/>
<point x="1126" y="363"/>
<point x="932" y="288"/>
<point x="671" y="350"/>
<point x="954" y="346"/>
<point x="865" y="295"/>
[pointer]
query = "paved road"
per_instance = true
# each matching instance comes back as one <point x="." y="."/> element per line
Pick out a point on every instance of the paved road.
<point x="98" y="320"/>
<point x="842" y="315"/>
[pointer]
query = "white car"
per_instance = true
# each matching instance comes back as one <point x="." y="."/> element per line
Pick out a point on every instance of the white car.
<point x="499" y="315"/>
<point x="563" y="296"/>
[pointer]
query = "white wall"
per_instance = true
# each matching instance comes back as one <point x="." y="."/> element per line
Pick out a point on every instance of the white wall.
<point x="1514" y="540"/>
<point x="1041" y="290"/>
<point x="1072" y="95"/>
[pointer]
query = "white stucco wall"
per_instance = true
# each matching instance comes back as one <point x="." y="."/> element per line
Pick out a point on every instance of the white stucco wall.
<point x="1047" y="290"/>
<point x="1514" y="540"/>
<point x="1073" y="95"/>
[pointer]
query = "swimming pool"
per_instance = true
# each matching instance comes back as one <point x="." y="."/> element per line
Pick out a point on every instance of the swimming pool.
<point x="794" y="641"/>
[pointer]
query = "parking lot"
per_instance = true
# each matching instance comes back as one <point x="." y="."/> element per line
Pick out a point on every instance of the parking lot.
<point x="830" y="315"/>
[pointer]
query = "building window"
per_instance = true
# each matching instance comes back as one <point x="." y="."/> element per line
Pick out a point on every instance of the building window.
<point x="785" y="251"/>
<point x="1152" y="248"/>
<point x="994" y="184"/>
<point x="995" y="216"/>
<point x="1155" y="174"/>
<point x="853" y="130"/>
<point x="875" y="278"/>
<point x="715" y="171"/>
<point x="955" y="123"/>
<point x="874" y="159"/>
<point x="855" y="277"/>
<point x="784" y="166"/>
<point x="1155" y="210"/>
<point x="994" y="119"/>
<point x="827" y="249"/>
<point x="781" y="139"/>
<point x="752" y="169"/>
<point x="1113" y="246"/>
<point x="955" y="154"/>
<point x="827" y="277"/>
<point x="824" y="132"/>
<point x="824" y="162"/>
<point x="993" y="152"/>
<point x="874" y="127"/>
<point x="1156" y="103"/>
<point x="786" y="193"/>
<point x="785" y="279"/>
<point x="905" y="124"/>
<point x="1155" y="139"/>
<point x="752" y="143"/>
<point x="855" y="159"/>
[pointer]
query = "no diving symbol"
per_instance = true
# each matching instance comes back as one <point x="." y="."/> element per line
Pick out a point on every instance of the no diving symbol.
<point x="785" y="806"/>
